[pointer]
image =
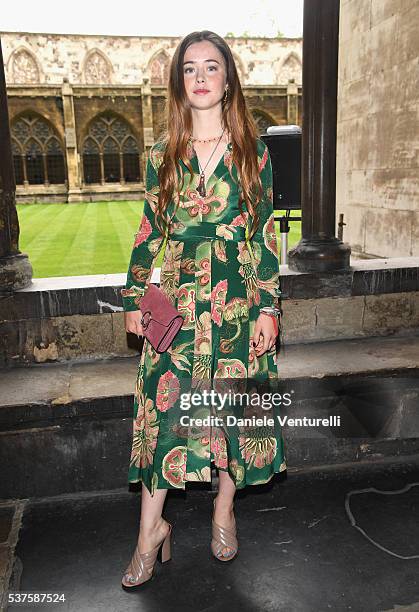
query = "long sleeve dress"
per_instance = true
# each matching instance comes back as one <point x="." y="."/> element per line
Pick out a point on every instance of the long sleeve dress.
<point x="218" y="284"/>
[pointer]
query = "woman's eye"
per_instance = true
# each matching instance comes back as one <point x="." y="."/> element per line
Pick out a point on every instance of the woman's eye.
<point x="209" y="68"/>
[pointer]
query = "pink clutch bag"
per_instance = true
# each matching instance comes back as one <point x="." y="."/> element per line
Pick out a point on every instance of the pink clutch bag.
<point x="160" y="319"/>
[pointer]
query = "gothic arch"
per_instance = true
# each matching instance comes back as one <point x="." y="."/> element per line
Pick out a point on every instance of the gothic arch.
<point x="23" y="67"/>
<point x="110" y="150"/>
<point x="240" y="68"/>
<point x="97" y="69"/>
<point x="290" y="67"/>
<point x="38" y="152"/>
<point x="158" y="68"/>
<point x="263" y="120"/>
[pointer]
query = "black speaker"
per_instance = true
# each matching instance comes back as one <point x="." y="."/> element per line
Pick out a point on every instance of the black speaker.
<point x="284" y="144"/>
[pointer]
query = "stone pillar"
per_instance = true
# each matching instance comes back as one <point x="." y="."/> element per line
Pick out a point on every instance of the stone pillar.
<point x="292" y="102"/>
<point x="319" y="249"/>
<point x="15" y="269"/>
<point x="71" y="152"/>
<point x="147" y="113"/>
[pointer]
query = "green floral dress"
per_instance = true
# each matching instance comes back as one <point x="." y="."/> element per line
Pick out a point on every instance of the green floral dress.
<point x="218" y="283"/>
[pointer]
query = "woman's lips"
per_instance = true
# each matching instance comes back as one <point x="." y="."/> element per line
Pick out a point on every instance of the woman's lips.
<point x="201" y="92"/>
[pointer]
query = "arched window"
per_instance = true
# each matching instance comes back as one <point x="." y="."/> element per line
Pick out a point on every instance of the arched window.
<point x="130" y="159"/>
<point x="17" y="163"/>
<point x="110" y="152"/>
<point x="37" y="152"/>
<point x="91" y="161"/>
<point x="159" y="69"/>
<point x="111" y="160"/>
<point x="291" y="68"/>
<point x="35" y="170"/>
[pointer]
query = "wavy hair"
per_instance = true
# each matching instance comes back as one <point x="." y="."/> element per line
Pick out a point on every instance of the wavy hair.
<point x="178" y="126"/>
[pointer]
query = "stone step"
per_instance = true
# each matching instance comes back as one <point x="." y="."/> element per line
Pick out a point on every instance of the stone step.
<point x="67" y="427"/>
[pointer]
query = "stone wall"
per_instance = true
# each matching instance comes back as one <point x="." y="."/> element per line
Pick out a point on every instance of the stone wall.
<point x="70" y="80"/>
<point x="127" y="60"/>
<point x="78" y="318"/>
<point x="378" y="127"/>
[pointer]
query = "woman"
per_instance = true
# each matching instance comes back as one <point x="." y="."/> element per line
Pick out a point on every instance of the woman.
<point x="219" y="282"/>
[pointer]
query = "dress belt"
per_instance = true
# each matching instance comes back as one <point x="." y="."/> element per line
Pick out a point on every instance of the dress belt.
<point x="207" y="230"/>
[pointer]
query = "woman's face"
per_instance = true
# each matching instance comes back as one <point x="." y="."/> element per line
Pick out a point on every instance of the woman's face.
<point x="204" y="74"/>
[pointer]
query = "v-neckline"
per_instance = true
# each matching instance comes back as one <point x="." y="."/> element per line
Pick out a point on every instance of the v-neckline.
<point x="195" y="158"/>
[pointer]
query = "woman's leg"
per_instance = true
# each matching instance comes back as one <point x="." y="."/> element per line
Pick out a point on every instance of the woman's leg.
<point x="153" y="528"/>
<point x="224" y="502"/>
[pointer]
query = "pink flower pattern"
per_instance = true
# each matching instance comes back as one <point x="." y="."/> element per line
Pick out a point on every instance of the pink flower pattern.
<point x="144" y="231"/>
<point x="217" y="281"/>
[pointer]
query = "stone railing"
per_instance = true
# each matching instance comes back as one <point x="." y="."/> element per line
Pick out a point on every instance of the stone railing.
<point x="78" y="318"/>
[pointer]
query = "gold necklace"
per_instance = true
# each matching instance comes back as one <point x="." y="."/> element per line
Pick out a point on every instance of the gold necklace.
<point x="207" y="140"/>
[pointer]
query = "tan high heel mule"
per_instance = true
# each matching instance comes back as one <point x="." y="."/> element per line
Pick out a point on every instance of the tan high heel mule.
<point x="140" y="570"/>
<point x="223" y="538"/>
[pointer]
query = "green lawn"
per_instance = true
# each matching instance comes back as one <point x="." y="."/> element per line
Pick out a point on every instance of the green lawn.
<point x="85" y="238"/>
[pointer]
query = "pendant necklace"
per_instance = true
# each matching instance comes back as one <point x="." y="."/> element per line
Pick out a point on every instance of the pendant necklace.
<point x="201" y="187"/>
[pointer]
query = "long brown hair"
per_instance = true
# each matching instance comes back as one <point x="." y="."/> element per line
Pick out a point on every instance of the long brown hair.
<point x="178" y="128"/>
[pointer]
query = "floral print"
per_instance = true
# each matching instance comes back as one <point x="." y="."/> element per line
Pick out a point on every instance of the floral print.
<point x="145" y="431"/>
<point x="218" y="280"/>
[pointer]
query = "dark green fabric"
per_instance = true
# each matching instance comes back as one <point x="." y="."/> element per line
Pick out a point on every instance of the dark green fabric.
<point x="219" y="285"/>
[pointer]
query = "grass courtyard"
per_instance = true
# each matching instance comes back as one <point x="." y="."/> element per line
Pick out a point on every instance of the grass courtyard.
<point x="86" y="238"/>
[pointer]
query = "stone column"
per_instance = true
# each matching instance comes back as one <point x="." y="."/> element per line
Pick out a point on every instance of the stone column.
<point x="15" y="269"/>
<point x="319" y="249"/>
<point x="147" y="113"/>
<point x="292" y="103"/>
<point x="71" y="152"/>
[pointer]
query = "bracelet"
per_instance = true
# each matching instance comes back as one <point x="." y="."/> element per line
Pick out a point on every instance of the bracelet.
<point x="274" y="310"/>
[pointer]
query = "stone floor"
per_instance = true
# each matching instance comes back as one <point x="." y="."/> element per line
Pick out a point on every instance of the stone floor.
<point x="298" y="548"/>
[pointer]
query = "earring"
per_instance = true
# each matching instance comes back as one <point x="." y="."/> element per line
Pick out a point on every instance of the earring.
<point x="225" y="94"/>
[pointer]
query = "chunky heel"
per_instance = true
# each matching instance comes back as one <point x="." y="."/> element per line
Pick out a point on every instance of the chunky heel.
<point x="165" y="549"/>
<point x="223" y="538"/>
<point x="140" y="570"/>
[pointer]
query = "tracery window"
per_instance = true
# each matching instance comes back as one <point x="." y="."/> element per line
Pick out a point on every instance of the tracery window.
<point x="38" y="156"/>
<point x="110" y="152"/>
<point x="97" y="69"/>
<point x="24" y="68"/>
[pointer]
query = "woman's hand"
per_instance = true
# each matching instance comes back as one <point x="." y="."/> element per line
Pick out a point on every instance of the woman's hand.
<point x="265" y="334"/>
<point x="133" y="322"/>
